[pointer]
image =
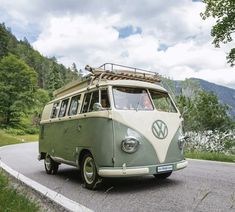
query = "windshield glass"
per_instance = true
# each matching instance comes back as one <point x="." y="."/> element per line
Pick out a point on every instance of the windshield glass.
<point x="131" y="99"/>
<point x="162" y="102"/>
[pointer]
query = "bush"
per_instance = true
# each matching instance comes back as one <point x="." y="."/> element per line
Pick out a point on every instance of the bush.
<point x="22" y="131"/>
<point x="211" y="141"/>
<point x="31" y="130"/>
<point x="15" y="131"/>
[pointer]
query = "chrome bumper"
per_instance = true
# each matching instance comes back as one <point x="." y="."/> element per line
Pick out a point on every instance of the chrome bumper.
<point x="137" y="171"/>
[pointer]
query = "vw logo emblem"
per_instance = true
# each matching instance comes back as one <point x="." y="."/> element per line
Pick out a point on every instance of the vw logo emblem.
<point x="159" y="129"/>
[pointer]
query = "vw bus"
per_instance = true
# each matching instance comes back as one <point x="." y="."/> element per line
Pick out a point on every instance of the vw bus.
<point x="116" y="122"/>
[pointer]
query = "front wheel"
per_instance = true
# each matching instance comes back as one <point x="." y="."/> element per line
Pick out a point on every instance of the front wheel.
<point x="89" y="173"/>
<point x="51" y="166"/>
<point x="163" y="175"/>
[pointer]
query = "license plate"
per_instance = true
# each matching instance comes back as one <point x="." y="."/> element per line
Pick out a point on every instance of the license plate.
<point x="164" y="168"/>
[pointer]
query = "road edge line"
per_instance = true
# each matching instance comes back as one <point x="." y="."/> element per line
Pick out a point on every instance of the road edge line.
<point x="46" y="192"/>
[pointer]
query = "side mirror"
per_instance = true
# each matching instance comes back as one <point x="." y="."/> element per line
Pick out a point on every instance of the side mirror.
<point x="97" y="106"/>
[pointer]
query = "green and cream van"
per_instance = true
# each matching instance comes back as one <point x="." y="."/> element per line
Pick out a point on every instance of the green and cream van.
<point x="117" y="122"/>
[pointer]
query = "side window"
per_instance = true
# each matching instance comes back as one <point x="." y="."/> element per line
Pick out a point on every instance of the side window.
<point x="94" y="99"/>
<point x="89" y="100"/>
<point x="105" y="99"/>
<point x="55" y="109"/>
<point x="86" y="102"/>
<point x="74" y="105"/>
<point x="63" y="108"/>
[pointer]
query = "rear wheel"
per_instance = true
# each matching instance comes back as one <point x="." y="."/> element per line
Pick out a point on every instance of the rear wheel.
<point x="163" y="175"/>
<point x="89" y="173"/>
<point x="51" y="166"/>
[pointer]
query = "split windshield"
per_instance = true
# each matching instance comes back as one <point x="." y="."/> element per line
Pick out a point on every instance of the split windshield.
<point x="139" y="99"/>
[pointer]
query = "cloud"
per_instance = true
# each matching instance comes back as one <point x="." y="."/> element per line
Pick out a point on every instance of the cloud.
<point x="165" y="36"/>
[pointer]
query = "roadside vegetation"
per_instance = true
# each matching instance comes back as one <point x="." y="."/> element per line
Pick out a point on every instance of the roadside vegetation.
<point x="11" y="199"/>
<point x="7" y="139"/>
<point x="215" y="156"/>
<point x="210" y="130"/>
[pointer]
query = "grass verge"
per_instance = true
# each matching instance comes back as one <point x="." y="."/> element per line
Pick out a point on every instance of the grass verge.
<point x="13" y="200"/>
<point x="210" y="156"/>
<point x="7" y="139"/>
<point x="10" y="198"/>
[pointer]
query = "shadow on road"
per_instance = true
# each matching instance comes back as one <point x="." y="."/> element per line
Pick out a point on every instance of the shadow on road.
<point x="120" y="185"/>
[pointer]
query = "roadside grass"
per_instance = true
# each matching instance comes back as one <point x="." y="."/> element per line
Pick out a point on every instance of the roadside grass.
<point x="210" y="156"/>
<point x="7" y="139"/>
<point x="12" y="200"/>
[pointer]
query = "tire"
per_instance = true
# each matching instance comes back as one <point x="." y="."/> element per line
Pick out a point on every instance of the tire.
<point x="89" y="173"/>
<point x="51" y="166"/>
<point x="163" y="175"/>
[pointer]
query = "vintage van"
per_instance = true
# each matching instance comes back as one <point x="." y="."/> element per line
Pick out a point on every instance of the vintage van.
<point x="117" y="122"/>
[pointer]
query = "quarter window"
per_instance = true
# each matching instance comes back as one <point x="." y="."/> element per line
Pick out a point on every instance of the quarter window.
<point x="55" y="109"/>
<point x="63" y="108"/>
<point x="74" y="105"/>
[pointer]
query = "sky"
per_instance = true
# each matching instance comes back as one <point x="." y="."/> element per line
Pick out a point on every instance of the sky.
<point x="168" y="37"/>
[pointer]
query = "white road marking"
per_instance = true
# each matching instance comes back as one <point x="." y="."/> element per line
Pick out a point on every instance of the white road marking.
<point x="46" y="192"/>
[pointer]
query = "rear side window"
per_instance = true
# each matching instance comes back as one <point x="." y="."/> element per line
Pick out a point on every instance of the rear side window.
<point x="63" y="108"/>
<point x="73" y="109"/>
<point x="162" y="102"/>
<point x="55" y="109"/>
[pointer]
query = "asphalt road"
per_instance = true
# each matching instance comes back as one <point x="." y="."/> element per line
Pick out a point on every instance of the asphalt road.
<point x="202" y="186"/>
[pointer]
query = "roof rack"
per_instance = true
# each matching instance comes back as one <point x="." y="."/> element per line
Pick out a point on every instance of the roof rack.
<point x="108" y="71"/>
<point x="111" y="71"/>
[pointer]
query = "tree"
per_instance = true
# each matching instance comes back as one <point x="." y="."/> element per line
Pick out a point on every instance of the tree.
<point x="3" y="40"/>
<point x="17" y="89"/>
<point x="41" y="97"/>
<point x="203" y="112"/>
<point x="209" y="113"/>
<point x="224" y="12"/>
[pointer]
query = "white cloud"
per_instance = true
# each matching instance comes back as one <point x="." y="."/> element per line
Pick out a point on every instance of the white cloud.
<point x="86" y="32"/>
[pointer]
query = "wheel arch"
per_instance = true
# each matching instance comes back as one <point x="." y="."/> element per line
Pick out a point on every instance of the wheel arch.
<point x="82" y="153"/>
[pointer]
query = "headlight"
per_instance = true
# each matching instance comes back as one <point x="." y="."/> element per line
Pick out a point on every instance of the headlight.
<point x="130" y="145"/>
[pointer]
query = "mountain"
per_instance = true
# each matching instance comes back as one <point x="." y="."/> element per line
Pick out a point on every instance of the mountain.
<point x="225" y="95"/>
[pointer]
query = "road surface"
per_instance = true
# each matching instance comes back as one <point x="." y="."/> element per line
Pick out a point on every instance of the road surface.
<point x="202" y="186"/>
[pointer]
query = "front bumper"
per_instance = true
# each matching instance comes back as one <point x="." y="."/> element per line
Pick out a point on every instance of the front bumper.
<point x="139" y="171"/>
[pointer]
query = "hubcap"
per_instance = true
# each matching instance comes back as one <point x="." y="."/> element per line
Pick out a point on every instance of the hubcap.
<point x="89" y="170"/>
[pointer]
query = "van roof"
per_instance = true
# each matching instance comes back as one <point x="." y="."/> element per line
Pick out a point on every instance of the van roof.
<point x="111" y="74"/>
<point x="124" y="83"/>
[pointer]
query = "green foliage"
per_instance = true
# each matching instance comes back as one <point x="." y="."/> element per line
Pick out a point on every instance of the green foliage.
<point x="3" y="41"/>
<point x="12" y="200"/>
<point x="210" y="156"/>
<point x="210" y="113"/>
<point x="224" y="13"/>
<point x="22" y="71"/>
<point x="17" y="88"/>
<point x="203" y="112"/>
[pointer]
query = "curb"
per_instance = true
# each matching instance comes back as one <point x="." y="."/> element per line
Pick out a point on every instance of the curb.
<point x="46" y="192"/>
